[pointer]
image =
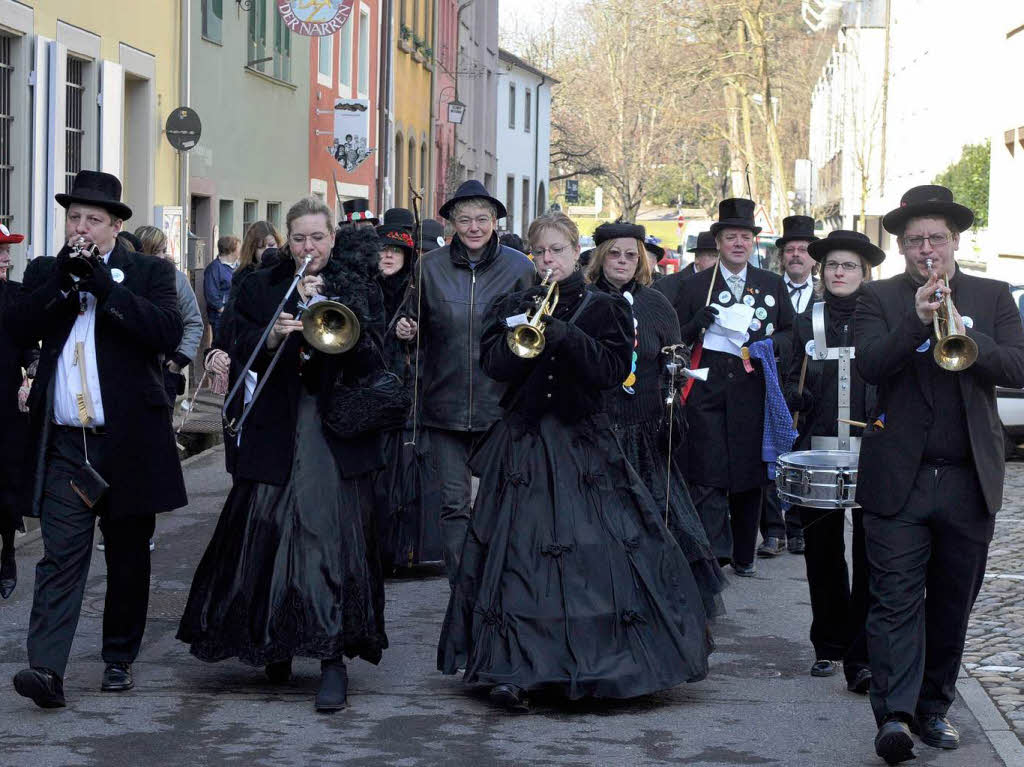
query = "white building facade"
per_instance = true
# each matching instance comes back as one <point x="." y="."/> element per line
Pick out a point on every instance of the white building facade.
<point x="523" y="131"/>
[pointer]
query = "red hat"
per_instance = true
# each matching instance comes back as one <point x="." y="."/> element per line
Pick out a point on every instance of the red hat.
<point x="6" y="238"/>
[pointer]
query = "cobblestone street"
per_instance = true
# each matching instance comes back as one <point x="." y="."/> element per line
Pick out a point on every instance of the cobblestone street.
<point x="995" y="645"/>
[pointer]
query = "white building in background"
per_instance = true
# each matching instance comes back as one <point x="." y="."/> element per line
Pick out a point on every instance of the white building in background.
<point x="524" y="140"/>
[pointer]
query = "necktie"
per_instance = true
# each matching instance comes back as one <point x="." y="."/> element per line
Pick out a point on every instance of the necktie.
<point x="794" y="289"/>
<point x="736" y="286"/>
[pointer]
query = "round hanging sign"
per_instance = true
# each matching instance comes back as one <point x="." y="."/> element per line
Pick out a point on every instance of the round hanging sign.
<point x="183" y="129"/>
<point x="314" y="18"/>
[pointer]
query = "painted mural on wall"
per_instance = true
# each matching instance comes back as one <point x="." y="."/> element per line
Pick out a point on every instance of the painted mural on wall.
<point x="350" y="146"/>
<point x="315" y="18"/>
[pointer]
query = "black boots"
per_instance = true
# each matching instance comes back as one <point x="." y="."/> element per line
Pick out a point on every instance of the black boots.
<point x="333" y="692"/>
<point x="279" y="672"/>
<point x="43" y="686"/>
<point x="8" y="567"/>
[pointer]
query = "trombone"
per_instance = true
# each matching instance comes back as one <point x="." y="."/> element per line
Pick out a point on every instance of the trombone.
<point x="328" y="326"/>
<point x="527" y="340"/>
<point x="954" y="351"/>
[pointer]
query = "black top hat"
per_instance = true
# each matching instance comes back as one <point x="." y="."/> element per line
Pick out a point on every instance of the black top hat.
<point x="735" y="212"/>
<point x="431" y="235"/>
<point x="841" y="239"/>
<point x="614" y="229"/>
<point x="705" y="241"/>
<point x="357" y="210"/>
<point x="467" y="191"/>
<point x="796" y="228"/>
<point x="925" y="201"/>
<point x="399" y="217"/>
<point x="397" y="237"/>
<point x="92" y="187"/>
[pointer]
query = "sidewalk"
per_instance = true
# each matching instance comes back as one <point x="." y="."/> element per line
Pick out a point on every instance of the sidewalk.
<point x="758" y="706"/>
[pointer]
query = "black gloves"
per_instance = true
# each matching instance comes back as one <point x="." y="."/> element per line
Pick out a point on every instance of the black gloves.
<point x="555" y="330"/>
<point x="100" y="283"/>
<point x="800" y="402"/>
<point x="702" y="320"/>
<point x="526" y="301"/>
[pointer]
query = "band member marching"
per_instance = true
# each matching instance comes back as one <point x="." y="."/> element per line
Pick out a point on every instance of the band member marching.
<point x="725" y="414"/>
<point x="569" y="579"/>
<point x="936" y="342"/>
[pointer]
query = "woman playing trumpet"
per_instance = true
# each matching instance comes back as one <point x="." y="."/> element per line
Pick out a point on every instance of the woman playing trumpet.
<point x="569" y="579"/>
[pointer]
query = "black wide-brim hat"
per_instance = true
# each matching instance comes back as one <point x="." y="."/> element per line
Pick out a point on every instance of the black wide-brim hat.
<point x="796" y="228"/>
<point x="927" y="200"/>
<point x="431" y="235"/>
<point x="470" y="190"/>
<point x="93" y="187"/>
<point x="612" y="230"/>
<point x="399" y="217"/>
<point x="842" y="239"/>
<point x="705" y="241"/>
<point x="396" y="236"/>
<point x="735" y="212"/>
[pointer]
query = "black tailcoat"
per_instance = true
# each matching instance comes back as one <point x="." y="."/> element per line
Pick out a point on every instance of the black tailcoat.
<point x="137" y="324"/>
<point x="889" y="333"/>
<point x="14" y="358"/>
<point x="725" y="414"/>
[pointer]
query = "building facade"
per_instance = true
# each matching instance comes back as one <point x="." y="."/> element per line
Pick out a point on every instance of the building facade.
<point x="344" y="72"/>
<point x="478" y="72"/>
<point x="445" y="92"/>
<point x="84" y="85"/>
<point x="410" y="164"/>
<point x="523" y="130"/>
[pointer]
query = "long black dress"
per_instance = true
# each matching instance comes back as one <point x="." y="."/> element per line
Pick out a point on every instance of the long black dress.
<point x="639" y="419"/>
<point x="569" y="579"/>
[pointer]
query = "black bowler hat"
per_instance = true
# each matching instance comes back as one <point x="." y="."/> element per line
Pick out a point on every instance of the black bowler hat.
<point x="92" y="187"/>
<point x="928" y="200"/>
<point x="354" y="211"/>
<point x="470" y="190"/>
<point x="399" y="217"/>
<point x="431" y="235"/>
<point x="841" y="239"/>
<point x="796" y="228"/>
<point x="612" y="230"/>
<point x="735" y="212"/>
<point x="705" y="241"/>
<point x="397" y="237"/>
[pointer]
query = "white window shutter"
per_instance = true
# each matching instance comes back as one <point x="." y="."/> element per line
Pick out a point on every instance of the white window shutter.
<point x="111" y="117"/>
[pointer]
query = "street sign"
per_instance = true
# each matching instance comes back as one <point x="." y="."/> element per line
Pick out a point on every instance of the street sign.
<point x="314" y="18"/>
<point x="761" y="219"/>
<point x="572" y="190"/>
<point x="183" y="129"/>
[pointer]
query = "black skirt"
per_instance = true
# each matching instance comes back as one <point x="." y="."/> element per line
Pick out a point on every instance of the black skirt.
<point x="569" y="579"/>
<point x="291" y="570"/>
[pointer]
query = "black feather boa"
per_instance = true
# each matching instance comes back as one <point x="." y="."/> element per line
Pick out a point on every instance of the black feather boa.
<point x="350" y="275"/>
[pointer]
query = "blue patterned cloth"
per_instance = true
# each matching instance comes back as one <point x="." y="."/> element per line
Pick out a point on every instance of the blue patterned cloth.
<point x="779" y="433"/>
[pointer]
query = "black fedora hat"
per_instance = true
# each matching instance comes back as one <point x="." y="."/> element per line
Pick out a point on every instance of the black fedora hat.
<point x="927" y="200"/>
<point x="469" y="190"/>
<point x="735" y="212"/>
<point x="353" y="211"/>
<point x="796" y="228"/>
<point x="399" y="217"/>
<point x="93" y="187"/>
<point x="397" y="237"/>
<point x="842" y="239"/>
<point x="431" y="235"/>
<point x="705" y="241"/>
<point x="612" y="230"/>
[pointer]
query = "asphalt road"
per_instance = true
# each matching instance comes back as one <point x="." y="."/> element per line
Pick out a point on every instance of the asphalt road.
<point x="759" y="706"/>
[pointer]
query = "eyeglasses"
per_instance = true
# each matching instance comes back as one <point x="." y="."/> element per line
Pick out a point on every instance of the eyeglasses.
<point x="845" y="266"/>
<point x="554" y="250"/>
<point x="629" y="255"/>
<point x="464" y="222"/>
<point x="792" y="251"/>
<point x="916" y="241"/>
<point x="300" y="239"/>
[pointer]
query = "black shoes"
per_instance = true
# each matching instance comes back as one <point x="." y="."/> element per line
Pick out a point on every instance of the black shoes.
<point x="935" y="730"/>
<point x="44" y="687"/>
<point x="770" y="547"/>
<point x="893" y="742"/>
<point x="279" y="672"/>
<point x="796" y="545"/>
<point x="511" y="698"/>
<point x="744" y="571"/>
<point x="117" y="677"/>
<point x="333" y="693"/>
<point x="861" y="681"/>
<point x="824" y="667"/>
<point x="8" y="571"/>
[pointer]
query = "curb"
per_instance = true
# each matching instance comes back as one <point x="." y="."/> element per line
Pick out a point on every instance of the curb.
<point x="998" y="731"/>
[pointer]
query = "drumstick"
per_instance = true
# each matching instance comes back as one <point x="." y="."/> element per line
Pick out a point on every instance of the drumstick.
<point x="800" y="389"/>
<point x="711" y="289"/>
<point x="861" y="424"/>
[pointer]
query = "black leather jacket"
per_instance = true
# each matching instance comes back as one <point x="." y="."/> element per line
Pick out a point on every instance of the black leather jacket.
<point x="456" y="394"/>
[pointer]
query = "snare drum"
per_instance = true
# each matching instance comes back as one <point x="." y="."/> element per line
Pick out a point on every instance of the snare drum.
<point x="820" y="479"/>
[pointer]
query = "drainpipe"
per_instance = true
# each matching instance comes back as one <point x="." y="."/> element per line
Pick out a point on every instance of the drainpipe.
<point x="383" y="107"/>
<point x="430" y="183"/>
<point x="536" y="151"/>
<point x="185" y="87"/>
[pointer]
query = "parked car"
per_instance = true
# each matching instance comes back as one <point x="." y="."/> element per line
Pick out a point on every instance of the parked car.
<point x="1011" y="401"/>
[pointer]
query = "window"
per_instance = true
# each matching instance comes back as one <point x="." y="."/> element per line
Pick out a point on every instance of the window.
<point x="525" y="223"/>
<point x="526" y="110"/>
<point x="364" y="52"/>
<point x="249" y="213"/>
<point x="325" y="46"/>
<point x="282" y="48"/>
<point x="274" y="214"/>
<point x="424" y="173"/>
<point x="213" y="19"/>
<point x="510" y="203"/>
<point x="512" y="106"/>
<point x="412" y="165"/>
<point x="226" y="216"/>
<point x="74" y="132"/>
<point x="345" y="59"/>
<point x="6" y="120"/>
<point x="257" y="48"/>
<point x="400" y="184"/>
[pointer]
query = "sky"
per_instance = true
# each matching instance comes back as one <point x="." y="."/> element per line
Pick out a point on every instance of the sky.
<point x="526" y="15"/>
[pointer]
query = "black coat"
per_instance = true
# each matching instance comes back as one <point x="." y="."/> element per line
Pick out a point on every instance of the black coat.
<point x="670" y="283"/>
<point x="455" y="393"/>
<point x="888" y="334"/>
<point x="725" y="414"/>
<point x="14" y="359"/>
<point x="268" y="435"/>
<point x="136" y="326"/>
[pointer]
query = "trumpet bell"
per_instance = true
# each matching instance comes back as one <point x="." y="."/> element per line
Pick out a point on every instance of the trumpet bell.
<point x="526" y="341"/>
<point x="330" y="327"/>
<point x="955" y="352"/>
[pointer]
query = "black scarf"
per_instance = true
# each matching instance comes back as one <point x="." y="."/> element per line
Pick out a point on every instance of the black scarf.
<point x="393" y="289"/>
<point x="603" y="284"/>
<point x="459" y="252"/>
<point x="570" y="293"/>
<point x="840" y="314"/>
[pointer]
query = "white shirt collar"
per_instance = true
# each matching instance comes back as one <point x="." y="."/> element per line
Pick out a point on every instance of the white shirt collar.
<point x="726" y="274"/>
<point x="791" y="284"/>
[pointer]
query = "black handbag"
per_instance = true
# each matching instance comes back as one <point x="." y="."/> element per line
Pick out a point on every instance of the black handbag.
<point x="378" y="402"/>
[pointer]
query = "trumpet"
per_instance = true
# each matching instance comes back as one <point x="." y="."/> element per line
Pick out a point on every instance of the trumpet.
<point x="527" y="340"/>
<point x="83" y="253"/>
<point x="954" y="350"/>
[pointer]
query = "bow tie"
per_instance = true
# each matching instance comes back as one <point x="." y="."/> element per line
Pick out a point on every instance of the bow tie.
<point x="796" y="289"/>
